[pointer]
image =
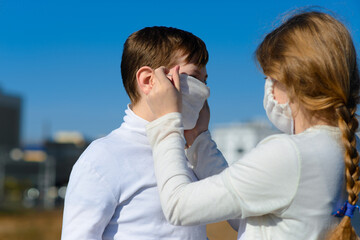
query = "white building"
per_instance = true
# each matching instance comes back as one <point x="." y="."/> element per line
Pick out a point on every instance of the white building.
<point x="235" y="139"/>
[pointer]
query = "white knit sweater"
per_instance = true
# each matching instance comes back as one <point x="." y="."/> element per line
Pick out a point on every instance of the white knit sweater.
<point x="285" y="188"/>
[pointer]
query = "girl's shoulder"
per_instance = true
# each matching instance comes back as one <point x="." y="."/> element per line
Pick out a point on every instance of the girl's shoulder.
<point x="279" y="142"/>
<point x="277" y="148"/>
<point x="319" y="136"/>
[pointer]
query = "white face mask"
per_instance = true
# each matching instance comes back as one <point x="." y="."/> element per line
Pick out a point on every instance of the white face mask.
<point x="194" y="94"/>
<point x="278" y="114"/>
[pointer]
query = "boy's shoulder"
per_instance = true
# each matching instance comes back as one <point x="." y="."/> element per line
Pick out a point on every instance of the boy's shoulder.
<point x="104" y="149"/>
<point x="112" y="157"/>
<point x="113" y="151"/>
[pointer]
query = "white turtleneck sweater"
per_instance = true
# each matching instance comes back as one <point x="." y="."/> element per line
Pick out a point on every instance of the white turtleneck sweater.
<point x="112" y="191"/>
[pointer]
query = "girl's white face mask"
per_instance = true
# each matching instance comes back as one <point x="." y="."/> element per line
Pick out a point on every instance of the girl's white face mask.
<point x="278" y="114"/>
<point x="194" y="94"/>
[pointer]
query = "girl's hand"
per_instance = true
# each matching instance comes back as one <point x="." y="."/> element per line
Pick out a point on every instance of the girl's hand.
<point x="165" y="95"/>
<point x="201" y="126"/>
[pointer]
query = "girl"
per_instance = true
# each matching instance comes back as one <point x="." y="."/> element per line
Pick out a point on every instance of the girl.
<point x="288" y="186"/>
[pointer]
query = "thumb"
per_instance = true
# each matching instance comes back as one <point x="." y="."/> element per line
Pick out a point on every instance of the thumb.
<point x="176" y="78"/>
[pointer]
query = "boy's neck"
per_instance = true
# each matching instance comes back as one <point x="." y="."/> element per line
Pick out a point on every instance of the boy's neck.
<point x="141" y="109"/>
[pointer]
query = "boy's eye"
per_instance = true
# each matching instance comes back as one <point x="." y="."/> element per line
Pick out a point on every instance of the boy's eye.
<point x="198" y="78"/>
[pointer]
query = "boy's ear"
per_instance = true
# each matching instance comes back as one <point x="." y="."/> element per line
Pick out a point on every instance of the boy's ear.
<point x="144" y="78"/>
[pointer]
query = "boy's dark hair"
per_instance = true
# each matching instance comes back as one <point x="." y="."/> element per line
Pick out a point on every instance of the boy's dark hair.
<point x="155" y="47"/>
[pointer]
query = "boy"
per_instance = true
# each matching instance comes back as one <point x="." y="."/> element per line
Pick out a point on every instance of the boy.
<point x="112" y="191"/>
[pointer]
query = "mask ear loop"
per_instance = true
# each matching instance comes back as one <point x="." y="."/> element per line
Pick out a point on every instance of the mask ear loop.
<point x="292" y="125"/>
<point x="293" y="119"/>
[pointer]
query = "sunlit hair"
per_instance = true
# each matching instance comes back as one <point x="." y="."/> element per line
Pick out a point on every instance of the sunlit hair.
<point x="155" y="47"/>
<point x="313" y="55"/>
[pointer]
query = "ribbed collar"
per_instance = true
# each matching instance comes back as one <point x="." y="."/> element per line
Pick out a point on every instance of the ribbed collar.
<point x="134" y="124"/>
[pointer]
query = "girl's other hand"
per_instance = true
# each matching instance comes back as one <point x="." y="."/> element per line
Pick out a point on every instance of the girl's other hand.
<point x="201" y="126"/>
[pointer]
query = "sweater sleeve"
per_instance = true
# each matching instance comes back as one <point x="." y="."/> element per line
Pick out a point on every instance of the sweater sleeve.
<point x="205" y="157"/>
<point x="264" y="181"/>
<point x="89" y="204"/>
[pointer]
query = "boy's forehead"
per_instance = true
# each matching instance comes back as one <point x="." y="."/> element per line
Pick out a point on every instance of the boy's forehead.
<point x="190" y="68"/>
<point x="194" y="70"/>
<point x="182" y="62"/>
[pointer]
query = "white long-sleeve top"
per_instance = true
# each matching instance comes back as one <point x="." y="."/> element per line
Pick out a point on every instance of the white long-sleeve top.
<point x="112" y="191"/>
<point x="285" y="188"/>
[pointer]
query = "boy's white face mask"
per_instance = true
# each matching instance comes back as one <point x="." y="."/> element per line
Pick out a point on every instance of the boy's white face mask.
<point x="194" y="94"/>
<point x="278" y="114"/>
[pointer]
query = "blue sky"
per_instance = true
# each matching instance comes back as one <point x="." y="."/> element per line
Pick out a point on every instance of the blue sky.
<point x="63" y="57"/>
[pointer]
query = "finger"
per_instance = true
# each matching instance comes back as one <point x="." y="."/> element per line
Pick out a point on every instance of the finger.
<point x="176" y="78"/>
<point x="205" y="109"/>
<point x="160" y="74"/>
<point x="206" y="106"/>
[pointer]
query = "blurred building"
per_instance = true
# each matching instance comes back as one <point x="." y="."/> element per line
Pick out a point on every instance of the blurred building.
<point x="10" y="115"/>
<point x="34" y="175"/>
<point x="65" y="148"/>
<point x="234" y="140"/>
<point x="39" y="173"/>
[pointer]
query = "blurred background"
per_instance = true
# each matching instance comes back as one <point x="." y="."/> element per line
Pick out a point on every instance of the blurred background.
<point x="61" y="88"/>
